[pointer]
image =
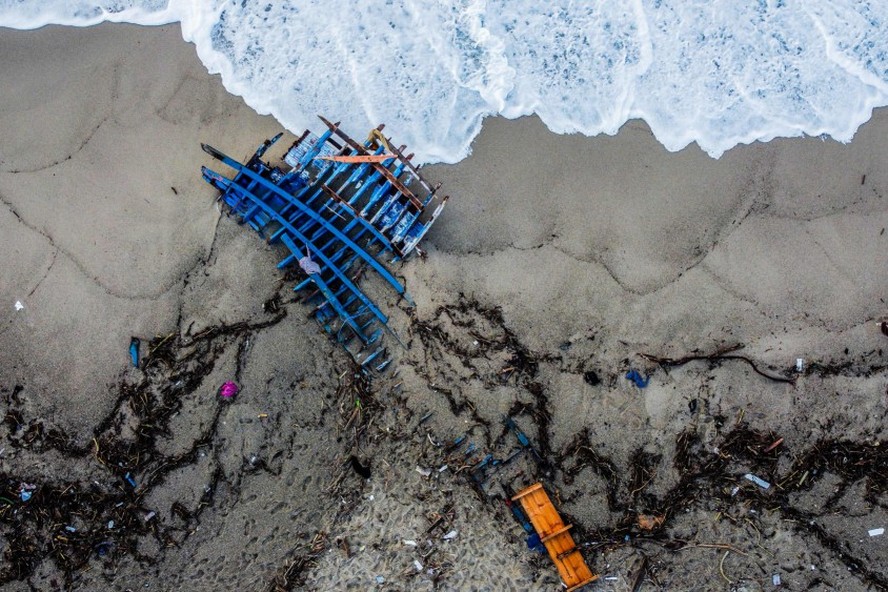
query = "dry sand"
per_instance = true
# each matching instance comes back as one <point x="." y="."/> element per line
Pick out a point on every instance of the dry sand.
<point x="560" y="261"/>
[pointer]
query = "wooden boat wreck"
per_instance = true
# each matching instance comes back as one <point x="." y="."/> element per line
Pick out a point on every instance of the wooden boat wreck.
<point x="338" y="208"/>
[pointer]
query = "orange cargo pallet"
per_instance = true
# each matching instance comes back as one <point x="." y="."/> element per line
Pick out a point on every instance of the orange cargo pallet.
<point x="553" y="533"/>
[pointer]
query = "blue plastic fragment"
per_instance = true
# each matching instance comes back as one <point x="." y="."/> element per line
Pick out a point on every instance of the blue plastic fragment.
<point x="134" y="350"/>
<point x="25" y="495"/>
<point x="534" y="543"/>
<point x="130" y="480"/>
<point x="634" y="376"/>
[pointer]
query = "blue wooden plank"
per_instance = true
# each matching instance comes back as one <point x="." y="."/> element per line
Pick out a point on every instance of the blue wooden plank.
<point x="328" y="294"/>
<point x="320" y="255"/>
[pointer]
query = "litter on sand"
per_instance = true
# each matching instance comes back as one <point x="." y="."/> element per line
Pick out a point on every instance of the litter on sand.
<point x="26" y="490"/>
<point x="228" y="390"/>
<point x="450" y="535"/>
<point x="775" y="579"/>
<point x="19" y="305"/>
<point x="135" y="343"/>
<point x="635" y="376"/>
<point x="757" y="480"/>
<point x="876" y="532"/>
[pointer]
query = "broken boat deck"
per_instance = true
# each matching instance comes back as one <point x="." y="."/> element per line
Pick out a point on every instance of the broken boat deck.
<point x="338" y="207"/>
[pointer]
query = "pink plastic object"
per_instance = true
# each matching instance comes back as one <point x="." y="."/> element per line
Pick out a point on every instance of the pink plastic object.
<point x="228" y="390"/>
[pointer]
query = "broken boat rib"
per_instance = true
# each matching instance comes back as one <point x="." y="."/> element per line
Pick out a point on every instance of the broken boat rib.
<point x="337" y="207"/>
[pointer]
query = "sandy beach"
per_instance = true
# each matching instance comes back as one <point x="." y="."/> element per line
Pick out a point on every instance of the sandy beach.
<point x="560" y="264"/>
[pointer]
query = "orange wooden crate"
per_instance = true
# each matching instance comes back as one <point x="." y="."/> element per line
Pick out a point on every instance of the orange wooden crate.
<point x="555" y="536"/>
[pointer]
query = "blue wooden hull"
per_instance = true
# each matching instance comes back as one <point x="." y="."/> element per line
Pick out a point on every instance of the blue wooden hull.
<point x="335" y="219"/>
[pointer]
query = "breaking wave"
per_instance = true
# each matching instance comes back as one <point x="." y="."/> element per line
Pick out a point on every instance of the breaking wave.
<point x="719" y="73"/>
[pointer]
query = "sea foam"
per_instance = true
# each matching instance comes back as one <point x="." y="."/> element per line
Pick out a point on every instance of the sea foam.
<point x="718" y="72"/>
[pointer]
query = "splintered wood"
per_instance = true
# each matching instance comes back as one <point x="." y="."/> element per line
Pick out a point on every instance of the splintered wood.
<point x="554" y="535"/>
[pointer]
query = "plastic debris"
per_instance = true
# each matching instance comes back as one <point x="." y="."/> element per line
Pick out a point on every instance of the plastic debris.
<point x="110" y="524"/>
<point x="535" y="544"/>
<point x="409" y="543"/>
<point x="308" y="265"/>
<point x="129" y="479"/>
<point x="135" y="343"/>
<point x="876" y="532"/>
<point x="735" y="491"/>
<point x="228" y="390"/>
<point x="443" y="468"/>
<point x="775" y="579"/>
<point x="70" y="529"/>
<point x="611" y="578"/>
<point x="149" y="516"/>
<point x="417" y="565"/>
<point x="380" y="580"/>
<point x="450" y="535"/>
<point x="635" y="376"/>
<point x="19" y="305"/>
<point x="423" y="472"/>
<point x="757" y="480"/>
<point x="800" y="364"/>
<point x="26" y="490"/>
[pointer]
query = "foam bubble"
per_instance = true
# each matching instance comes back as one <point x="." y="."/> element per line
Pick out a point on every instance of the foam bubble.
<point x="717" y="73"/>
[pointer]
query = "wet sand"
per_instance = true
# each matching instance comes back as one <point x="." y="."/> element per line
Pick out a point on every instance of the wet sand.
<point x="560" y="263"/>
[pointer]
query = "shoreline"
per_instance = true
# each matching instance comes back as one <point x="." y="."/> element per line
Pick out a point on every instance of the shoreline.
<point x="561" y="263"/>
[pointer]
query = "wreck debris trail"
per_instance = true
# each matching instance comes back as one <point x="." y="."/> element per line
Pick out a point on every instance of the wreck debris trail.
<point x="723" y="354"/>
<point x="112" y="517"/>
<point x="702" y="475"/>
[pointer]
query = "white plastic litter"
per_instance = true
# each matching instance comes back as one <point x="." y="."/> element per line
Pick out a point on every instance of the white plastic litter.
<point x="757" y="480"/>
<point x="450" y="535"/>
<point x="800" y="364"/>
<point x="423" y="471"/>
<point x="409" y="543"/>
<point x="309" y="266"/>
<point x="19" y="305"/>
<point x="417" y="565"/>
<point x="775" y="579"/>
<point x="877" y="532"/>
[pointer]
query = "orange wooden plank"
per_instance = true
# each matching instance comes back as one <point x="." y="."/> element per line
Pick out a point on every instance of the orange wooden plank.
<point x="357" y="158"/>
<point x="556" y="533"/>
<point x="555" y="536"/>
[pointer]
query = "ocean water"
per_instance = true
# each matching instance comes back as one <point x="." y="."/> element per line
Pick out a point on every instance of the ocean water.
<point x="715" y="72"/>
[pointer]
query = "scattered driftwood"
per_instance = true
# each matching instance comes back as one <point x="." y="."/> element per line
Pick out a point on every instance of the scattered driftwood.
<point x="721" y="354"/>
